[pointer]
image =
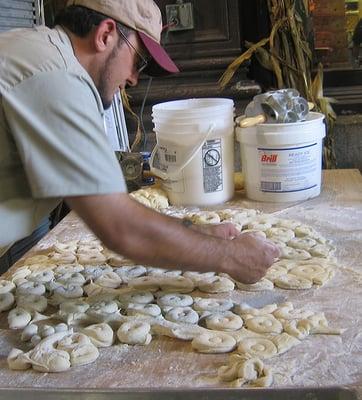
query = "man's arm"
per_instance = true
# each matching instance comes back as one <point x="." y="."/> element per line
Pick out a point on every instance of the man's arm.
<point x="150" y="238"/>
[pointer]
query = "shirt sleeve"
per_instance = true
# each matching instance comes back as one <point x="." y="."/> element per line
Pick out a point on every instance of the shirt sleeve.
<point x="57" y="124"/>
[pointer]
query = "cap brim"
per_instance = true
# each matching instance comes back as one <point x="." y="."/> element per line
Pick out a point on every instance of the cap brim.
<point x="160" y="63"/>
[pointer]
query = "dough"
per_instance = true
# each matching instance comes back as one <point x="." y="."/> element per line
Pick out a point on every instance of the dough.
<point x="287" y="311"/>
<point x="174" y="300"/>
<point x="18" y="318"/>
<point x="79" y="347"/>
<point x="263" y="324"/>
<point x="294" y="254"/>
<point x="204" y="217"/>
<point x="89" y="248"/>
<point x="245" y="309"/>
<point x="94" y="258"/>
<point x="127" y="273"/>
<point x="153" y="310"/>
<point x="145" y="283"/>
<point x="316" y="273"/>
<point x="213" y="342"/>
<point x="321" y="250"/>
<point x="68" y="269"/>
<point x="62" y="258"/>
<point x="138" y="297"/>
<point x="32" y="302"/>
<point x="263" y="284"/>
<point x="212" y="304"/>
<point x="258" y="347"/>
<point x="28" y="332"/>
<point x="41" y="276"/>
<point x="216" y="284"/>
<point x="92" y="272"/>
<point x="28" y="288"/>
<point x="135" y="332"/>
<point x="288" y="223"/>
<point x="182" y="315"/>
<point x="304" y="243"/>
<point x="101" y="335"/>
<point x="290" y="281"/>
<point x="282" y="234"/>
<point x="109" y="280"/>
<point x="7" y="300"/>
<point x="71" y="278"/>
<point x="196" y="277"/>
<point x="73" y="306"/>
<point x="177" y="284"/>
<point x="68" y="291"/>
<point x="226" y="321"/>
<point x="69" y="247"/>
<point x="45" y="331"/>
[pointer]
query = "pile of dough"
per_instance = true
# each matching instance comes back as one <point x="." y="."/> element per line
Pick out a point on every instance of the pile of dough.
<point x="150" y="197"/>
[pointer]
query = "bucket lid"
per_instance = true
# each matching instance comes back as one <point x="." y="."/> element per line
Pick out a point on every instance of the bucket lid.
<point x="180" y="107"/>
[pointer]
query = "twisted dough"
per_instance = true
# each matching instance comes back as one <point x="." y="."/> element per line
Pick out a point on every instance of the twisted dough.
<point x="109" y="280"/>
<point x="213" y="342"/>
<point x="101" y="335"/>
<point x="176" y="284"/>
<point x="79" y="347"/>
<point x="28" y="288"/>
<point x="134" y="332"/>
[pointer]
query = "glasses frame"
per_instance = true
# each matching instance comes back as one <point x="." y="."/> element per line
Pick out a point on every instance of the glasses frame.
<point x="143" y="61"/>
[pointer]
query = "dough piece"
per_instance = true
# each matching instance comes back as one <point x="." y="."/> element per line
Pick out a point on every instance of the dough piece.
<point x="62" y="258"/>
<point x="68" y="269"/>
<point x="138" y="297"/>
<point x="262" y="222"/>
<point x="101" y="335"/>
<point x="263" y="284"/>
<point x="18" y="361"/>
<point x="196" y="277"/>
<point x="294" y="254"/>
<point x="101" y="309"/>
<point x="182" y="315"/>
<point x="61" y="328"/>
<point x="150" y="197"/>
<point x="71" y="278"/>
<point x="258" y="347"/>
<point x="204" y="217"/>
<point x="178" y="284"/>
<point x="321" y="250"/>
<point x="68" y="291"/>
<point x="256" y="232"/>
<point x="244" y="370"/>
<point x="41" y="276"/>
<point x="135" y="332"/>
<point x="297" y="328"/>
<point x="152" y="310"/>
<point x="68" y="247"/>
<point x="153" y="271"/>
<point x="173" y="273"/>
<point x="38" y="259"/>
<point x="28" y="332"/>
<point x="79" y="347"/>
<point x="145" y="283"/>
<point x="29" y="288"/>
<point x="288" y="312"/>
<point x="18" y="318"/>
<point x="127" y="273"/>
<point x="174" y="300"/>
<point x="284" y="342"/>
<point x="305" y="230"/>
<point x="282" y="234"/>
<point x="89" y="248"/>
<point x="226" y="321"/>
<point x="290" y="281"/>
<point x="304" y="243"/>
<point x="94" y="258"/>
<point x="316" y="273"/>
<point x="213" y="342"/>
<point x="20" y="273"/>
<point x="212" y="304"/>
<point x="263" y="324"/>
<point x="288" y="223"/>
<point x="92" y="272"/>
<point x="216" y="284"/>
<point x="32" y="302"/>
<point x="7" y="301"/>
<point x="109" y="280"/>
<point x="45" y="331"/>
<point x="245" y="309"/>
<point x="179" y="331"/>
<point x="275" y="271"/>
<point x="74" y="306"/>
<point x="6" y="286"/>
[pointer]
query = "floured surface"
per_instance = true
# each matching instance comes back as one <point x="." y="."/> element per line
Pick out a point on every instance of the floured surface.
<point x="167" y="363"/>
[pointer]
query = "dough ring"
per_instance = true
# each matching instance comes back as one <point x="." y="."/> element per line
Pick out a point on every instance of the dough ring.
<point x="134" y="332"/>
<point x="321" y="250"/>
<point x="69" y="247"/>
<point x="212" y="304"/>
<point x="258" y="347"/>
<point x="63" y="258"/>
<point x="109" y="280"/>
<point x="287" y="311"/>
<point x="282" y="234"/>
<point x="294" y="254"/>
<point x="256" y="232"/>
<point x="178" y="284"/>
<point x="304" y="243"/>
<point x="245" y="309"/>
<point x="6" y="286"/>
<point x="101" y="335"/>
<point x="196" y="277"/>
<point x="263" y="284"/>
<point x="288" y="223"/>
<point x="204" y="217"/>
<point x="153" y="271"/>
<point x="103" y="307"/>
<point x="41" y="276"/>
<point x="32" y="302"/>
<point x="226" y="321"/>
<point x="94" y="258"/>
<point x="69" y="291"/>
<point x="297" y="328"/>
<point x="145" y="283"/>
<point x="263" y="324"/>
<point x="73" y="278"/>
<point x="18" y="318"/>
<point x="127" y="273"/>
<point x="68" y="269"/>
<point x="152" y="310"/>
<point x="216" y="284"/>
<point x="7" y="300"/>
<point x="136" y="297"/>
<point x="275" y="271"/>
<point x="92" y="272"/>
<point x="182" y="315"/>
<point x="80" y="349"/>
<point x="314" y="272"/>
<point x="305" y="230"/>
<point x="175" y="300"/>
<point x="74" y="306"/>
<point x="28" y="332"/>
<point x="213" y="342"/>
<point x="290" y="281"/>
<point x="28" y="288"/>
<point x="89" y="248"/>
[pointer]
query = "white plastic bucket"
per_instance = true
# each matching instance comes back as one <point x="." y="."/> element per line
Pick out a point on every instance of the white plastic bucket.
<point x="194" y="154"/>
<point x="283" y="162"/>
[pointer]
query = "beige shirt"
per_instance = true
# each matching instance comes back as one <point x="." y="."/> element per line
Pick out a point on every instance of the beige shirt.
<point x="52" y="139"/>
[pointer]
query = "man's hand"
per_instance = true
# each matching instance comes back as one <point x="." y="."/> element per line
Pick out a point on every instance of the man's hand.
<point x="222" y="231"/>
<point x="248" y="257"/>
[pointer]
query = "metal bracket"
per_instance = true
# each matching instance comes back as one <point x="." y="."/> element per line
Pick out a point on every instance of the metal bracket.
<point x="180" y="16"/>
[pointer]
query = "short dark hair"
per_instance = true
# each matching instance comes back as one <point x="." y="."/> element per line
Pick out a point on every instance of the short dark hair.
<point x="80" y="20"/>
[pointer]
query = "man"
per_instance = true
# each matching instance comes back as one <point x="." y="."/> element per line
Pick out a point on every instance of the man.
<point x="54" y="87"/>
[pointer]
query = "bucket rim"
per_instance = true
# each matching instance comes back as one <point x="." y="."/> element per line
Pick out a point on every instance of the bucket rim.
<point x="188" y="105"/>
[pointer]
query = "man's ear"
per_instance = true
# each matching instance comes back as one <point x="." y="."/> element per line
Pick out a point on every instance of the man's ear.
<point x="105" y="35"/>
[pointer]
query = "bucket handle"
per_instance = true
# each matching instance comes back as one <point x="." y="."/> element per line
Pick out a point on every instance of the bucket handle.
<point x="164" y="175"/>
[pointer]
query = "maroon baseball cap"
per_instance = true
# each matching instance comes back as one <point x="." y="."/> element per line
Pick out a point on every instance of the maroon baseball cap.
<point x="145" y="18"/>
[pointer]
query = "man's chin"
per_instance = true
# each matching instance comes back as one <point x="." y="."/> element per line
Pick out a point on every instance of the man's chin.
<point x="106" y="104"/>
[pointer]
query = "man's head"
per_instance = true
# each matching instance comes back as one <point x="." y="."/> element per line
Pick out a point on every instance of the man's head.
<point x="124" y="38"/>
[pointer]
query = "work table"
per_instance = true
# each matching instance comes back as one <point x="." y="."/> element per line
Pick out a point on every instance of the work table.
<point x="319" y="365"/>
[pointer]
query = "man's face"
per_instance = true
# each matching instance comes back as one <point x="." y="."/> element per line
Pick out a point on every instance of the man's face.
<point x="119" y="69"/>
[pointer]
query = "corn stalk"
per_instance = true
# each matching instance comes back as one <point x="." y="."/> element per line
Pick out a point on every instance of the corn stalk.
<point x="286" y="52"/>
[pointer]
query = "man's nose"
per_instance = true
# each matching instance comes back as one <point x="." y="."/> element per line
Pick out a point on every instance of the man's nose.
<point x="133" y="79"/>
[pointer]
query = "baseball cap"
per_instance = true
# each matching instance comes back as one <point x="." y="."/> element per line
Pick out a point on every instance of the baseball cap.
<point x="144" y="17"/>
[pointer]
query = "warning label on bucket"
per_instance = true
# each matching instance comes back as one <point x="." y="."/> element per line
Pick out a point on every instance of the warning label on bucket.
<point x="289" y="169"/>
<point x="212" y="166"/>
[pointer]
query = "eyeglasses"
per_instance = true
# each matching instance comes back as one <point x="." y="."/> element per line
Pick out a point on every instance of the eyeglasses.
<point x="142" y="61"/>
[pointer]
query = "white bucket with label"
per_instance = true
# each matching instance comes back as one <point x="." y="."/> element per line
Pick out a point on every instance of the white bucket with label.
<point x="194" y="154"/>
<point x="283" y="162"/>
